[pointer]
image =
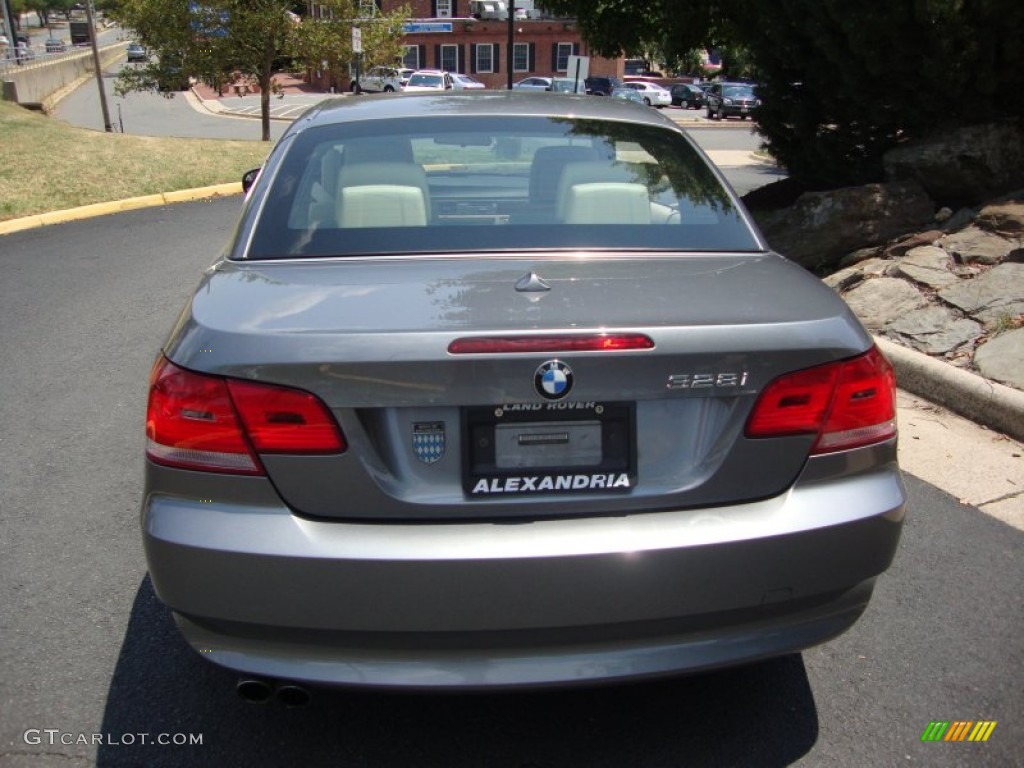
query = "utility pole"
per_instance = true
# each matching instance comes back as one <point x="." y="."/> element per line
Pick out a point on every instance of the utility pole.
<point x="509" y="55"/>
<point x="12" y="40"/>
<point x="99" y="70"/>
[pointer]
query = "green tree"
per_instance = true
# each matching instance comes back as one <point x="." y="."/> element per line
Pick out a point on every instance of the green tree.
<point x="841" y="83"/>
<point x="329" y="39"/>
<point x="222" y="40"/>
<point x="209" y="42"/>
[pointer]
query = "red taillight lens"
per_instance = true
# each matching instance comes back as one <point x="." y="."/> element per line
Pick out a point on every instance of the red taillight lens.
<point x="848" y="404"/>
<point x="864" y="406"/>
<point x="568" y="342"/>
<point x="198" y="421"/>
<point x="794" y="404"/>
<point x="281" y="420"/>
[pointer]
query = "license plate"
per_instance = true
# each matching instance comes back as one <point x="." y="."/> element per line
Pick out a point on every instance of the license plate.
<point x="535" y="448"/>
<point x="548" y="444"/>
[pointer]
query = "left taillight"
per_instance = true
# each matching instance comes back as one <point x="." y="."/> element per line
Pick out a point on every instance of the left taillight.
<point x="848" y="404"/>
<point x="214" y="424"/>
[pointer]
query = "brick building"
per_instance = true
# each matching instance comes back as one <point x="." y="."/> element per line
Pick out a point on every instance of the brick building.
<point x="465" y="36"/>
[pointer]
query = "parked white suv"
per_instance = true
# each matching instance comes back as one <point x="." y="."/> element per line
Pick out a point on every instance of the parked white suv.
<point x="380" y="80"/>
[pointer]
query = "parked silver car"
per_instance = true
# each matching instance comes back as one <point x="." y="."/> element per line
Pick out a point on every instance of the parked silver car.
<point x="533" y="84"/>
<point x="482" y="393"/>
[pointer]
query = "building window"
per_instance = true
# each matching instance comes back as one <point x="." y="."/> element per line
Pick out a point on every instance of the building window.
<point x="367" y="9"/>
<point x="411" y="57"/>
<point x="485" y="57"/>
<point x="521" y="57"/>
<point x="450" y="58"/>
<point x="444" y="9"/>
<point x="562" y="58"/>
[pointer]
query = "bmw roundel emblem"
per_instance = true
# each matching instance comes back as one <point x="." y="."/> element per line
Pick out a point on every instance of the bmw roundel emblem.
<point x="553" y="380"/>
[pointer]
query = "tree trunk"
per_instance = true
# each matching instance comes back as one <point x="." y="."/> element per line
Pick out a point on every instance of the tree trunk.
<point x="266" y="81"/>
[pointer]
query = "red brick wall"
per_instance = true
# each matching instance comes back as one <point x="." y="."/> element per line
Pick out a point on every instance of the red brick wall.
<point x="542" y="34"/>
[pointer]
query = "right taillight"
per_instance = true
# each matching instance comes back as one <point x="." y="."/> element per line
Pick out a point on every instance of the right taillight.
<point x="210" y="423"/>
<point x="848" y="404"/>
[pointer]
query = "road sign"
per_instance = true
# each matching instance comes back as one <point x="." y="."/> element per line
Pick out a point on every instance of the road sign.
<point x="579" y="71"/>
<point x="357" y="40"/>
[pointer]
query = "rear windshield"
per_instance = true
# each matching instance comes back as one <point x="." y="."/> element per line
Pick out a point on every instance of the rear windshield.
<point x="471" y="184"/>
<point x="738" y="92"/>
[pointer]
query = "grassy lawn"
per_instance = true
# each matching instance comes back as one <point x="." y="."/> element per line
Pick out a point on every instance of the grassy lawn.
<point x="48" y="165"/>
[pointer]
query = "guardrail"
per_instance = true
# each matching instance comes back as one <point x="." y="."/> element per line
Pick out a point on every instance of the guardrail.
<point x="34" y="80"/>
<point x="10" y="63"/>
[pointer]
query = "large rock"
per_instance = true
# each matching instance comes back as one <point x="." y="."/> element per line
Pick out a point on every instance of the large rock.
<point x="882" y="300"/>
<point x="933" y="330"/>
<point x="965" y="166"/>
<point x="929" y="266"/>
<point x="821" y="227"/>
<point x="976" y="246"/>
<point x="1002" y="358"/>
<point x="1003" y="218"/>
<point x="904" y="245"/>
<point x="992" y="296"/>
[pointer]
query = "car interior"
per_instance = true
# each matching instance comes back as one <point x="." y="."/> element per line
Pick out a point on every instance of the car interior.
<point x="442" y="181"/>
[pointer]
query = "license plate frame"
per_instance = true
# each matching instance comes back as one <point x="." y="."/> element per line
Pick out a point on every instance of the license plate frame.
<point x="547" y="430"/>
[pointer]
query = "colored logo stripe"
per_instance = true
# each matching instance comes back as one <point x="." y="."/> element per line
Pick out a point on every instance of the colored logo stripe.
<point x="982" y="730"/>
<point x="958" y="730"/>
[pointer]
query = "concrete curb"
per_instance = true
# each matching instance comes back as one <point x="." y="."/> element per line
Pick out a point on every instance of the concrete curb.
<point x="118" y="206"/>
<point x="975" y="398"/>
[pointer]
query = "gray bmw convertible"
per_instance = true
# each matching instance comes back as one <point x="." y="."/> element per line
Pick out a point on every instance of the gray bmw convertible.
<point x="505" y="389"/>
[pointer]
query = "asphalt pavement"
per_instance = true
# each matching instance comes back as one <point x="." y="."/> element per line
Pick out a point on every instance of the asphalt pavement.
<point x="87" y="652"/>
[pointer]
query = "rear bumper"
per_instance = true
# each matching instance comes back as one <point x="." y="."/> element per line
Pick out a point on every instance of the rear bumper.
<point x="264" y="592"/>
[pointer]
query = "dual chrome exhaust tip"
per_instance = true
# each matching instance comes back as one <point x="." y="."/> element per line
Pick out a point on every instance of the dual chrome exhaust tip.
<point x="256" y="691"/>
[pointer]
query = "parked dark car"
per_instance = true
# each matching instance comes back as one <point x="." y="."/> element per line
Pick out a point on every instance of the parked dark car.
<point x="602" y="86"/>
<point x="731" y="100"/>
<point x="687" y="96"/>
<point x="438" y="420"/>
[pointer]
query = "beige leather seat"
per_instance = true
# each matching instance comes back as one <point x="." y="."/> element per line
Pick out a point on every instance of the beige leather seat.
<point x="607" y="202"/>
<point x="398" y="189"/>
<point x="381" y="205"/>
<point x="601" y="192"/>
<point x="546" y="169"/>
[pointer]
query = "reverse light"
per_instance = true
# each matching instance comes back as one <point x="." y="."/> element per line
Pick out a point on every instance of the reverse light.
<point x="210" y="423"/>
<point x="569" y="342"/>
<point x="848" y="404"/>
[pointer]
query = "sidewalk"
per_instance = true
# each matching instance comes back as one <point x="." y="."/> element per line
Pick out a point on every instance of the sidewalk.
<point x="288" y="99"/>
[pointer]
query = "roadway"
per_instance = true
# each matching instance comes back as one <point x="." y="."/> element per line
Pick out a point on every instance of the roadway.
<point x="85" y="648"/>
